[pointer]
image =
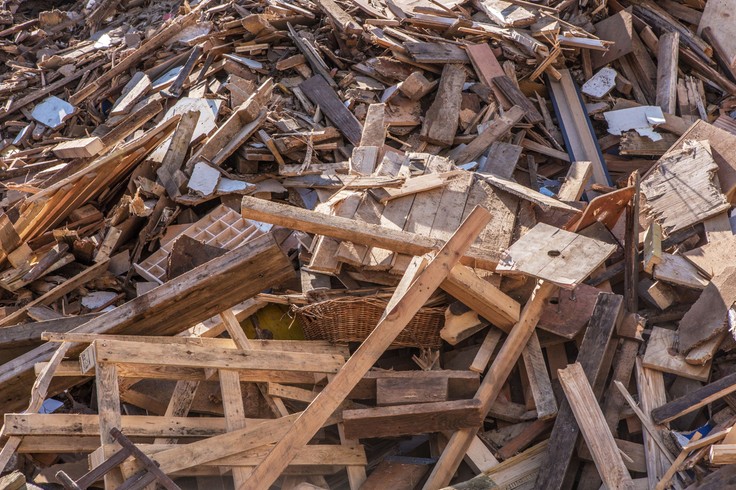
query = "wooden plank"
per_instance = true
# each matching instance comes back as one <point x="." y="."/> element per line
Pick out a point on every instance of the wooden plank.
<point x="539" y="381"/>
<point x="512" y="92"/>
<point x="661" y="354"/>
<point x="232" y="406"/>
<point x="591" y="356"/>
<point x="555" y="255"/>
<point x="398" y="391"/>
<point x="419" y="418"/>
<point x="222" y="282"/>
<point x="501" y="160"/>
<point x="652" y="394"/>
<point x="575" y="181"/>
<point x="675" y="269"/>
<point x="79" y="148"/>
<point x="499" y="127"/>
<point x="132" y="92"/>
<point x="542" y="200"/>
<point x="432" y="52"/>
<point x="652" y="247"/>
<point x="413" y="291"/>
<point x="593" y="426"/>
<point x="580" y="141"/>
<point x="341" y="19"/>
<point x="482" y="297"/>
<point x="321" y="94"/>
<point x="619" y="29"/>
<point x="717" y="15"/>
<point x="441" y="120"/>
<point x="396" y="475"/>
<point x="707" y="317"/>
<point x="714" y="257"/>
<point x="491" y="385"/>
<point x="350" y="230"/>
<point x="675" y="207"/>
<point x="667" y="71"/>
<point x="694" y="399"/>
<point x="108" y="406"/>
<point x="120" y="351"/>
<point x="487" y="68"/>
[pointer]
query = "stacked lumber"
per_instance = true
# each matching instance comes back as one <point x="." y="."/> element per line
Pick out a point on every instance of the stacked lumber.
<point x="347" y="244"/>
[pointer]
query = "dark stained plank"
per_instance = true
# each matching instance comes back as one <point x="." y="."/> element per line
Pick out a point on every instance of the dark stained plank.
<point x="321" y="94"/>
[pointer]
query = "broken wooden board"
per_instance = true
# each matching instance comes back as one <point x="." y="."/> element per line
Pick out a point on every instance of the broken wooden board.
<point x="567" y="313"/>
<point x="712" y="258"/>
<point x="707" y="317"/>
<point x="321" y="94"/>
<point x="675" y="269"/>
<point x="718" y="16"/>
<point x="674" y="205"/>
<point x="524" y="192"/>
<point x="662" y="355"/>
<point x="441" y="121"/>
<point x="558" y="256"/>
<point x="80" y="148"/>
<point x="722" y="147"/>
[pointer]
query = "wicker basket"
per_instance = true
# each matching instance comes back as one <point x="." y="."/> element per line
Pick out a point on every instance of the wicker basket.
<point x="352" y="319"/>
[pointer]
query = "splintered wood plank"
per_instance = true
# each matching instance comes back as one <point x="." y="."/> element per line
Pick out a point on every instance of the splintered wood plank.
<point x="674" y="205"/>
<point x="487" y="68"/>
<point x="424" y="52"/>
<point x="707" y="317"/>
<point x="575" y="181"/>
<point x="652" y="394"/>
<point x="321" y="94"/>
<point x="718" y="16"/>
<point x="501" y="125"/>
<point x="394" y="216"/>
<point x="694" y="399"/>
<point x="675" y="269"/>
<point x="415" y="288"/>
<point x="539" y="381"/>
<point x="108" y="406"/>
<point x="418" y="418"/>
<point x="593" y="426"/>
<point x="512" y="92"/>
<point x="232" y="405"/>
<point x="497" y="235"/>
<point x="592" y="358"/>
<point x="662" y="355"/>
<point x="542" y="200"/>
<point x="714" y="257"/>
<point x="442" y="120"/>
<point x="423" y="209"/>
<point x="580" y="141"/>
<point x="667" y="58"/>
<point x="449" y="213"/>
<point x="555" y="255"/>
<point x="723" y="149"/>
<point x="343" y="204"/>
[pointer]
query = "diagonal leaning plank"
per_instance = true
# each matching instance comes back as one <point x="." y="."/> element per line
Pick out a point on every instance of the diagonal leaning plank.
<point x="414" y="289"/>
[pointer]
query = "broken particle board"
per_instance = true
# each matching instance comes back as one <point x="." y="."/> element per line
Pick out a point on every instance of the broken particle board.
<point x="707" y="317"/>
<point x="552" y="254"/>
<point x="662" y="355"/>
<point x="682" y="189"/>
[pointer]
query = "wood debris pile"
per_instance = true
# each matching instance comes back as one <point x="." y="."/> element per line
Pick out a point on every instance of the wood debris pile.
<point x="305" y="244"/>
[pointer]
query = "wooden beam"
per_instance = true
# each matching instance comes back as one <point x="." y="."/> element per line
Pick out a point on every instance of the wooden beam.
<point x="321" y="94"/>
<point x="413" y="291"/>
<point x="606" y="316"/>
<point x="695" y="399"/>
<point x="417" y="418"/>
<point x="593" y="426"/>
<point x="667" y="57"/>
<point x="351" y="230"/>
<point x="492" y="384"/>
<point x="580" y="140"/>
<point x="499" y="127"/>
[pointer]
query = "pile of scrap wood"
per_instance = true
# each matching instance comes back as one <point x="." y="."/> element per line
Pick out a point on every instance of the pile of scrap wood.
<point x="305" y="244"/>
